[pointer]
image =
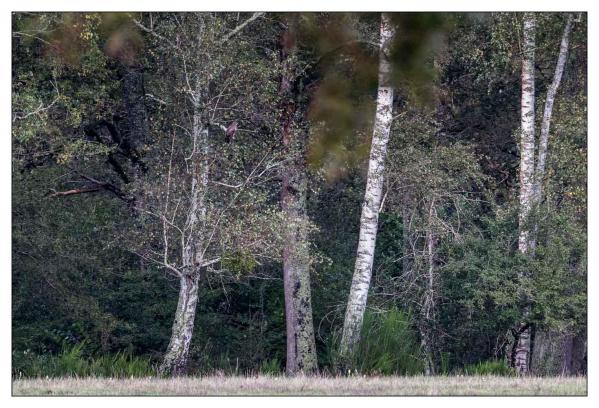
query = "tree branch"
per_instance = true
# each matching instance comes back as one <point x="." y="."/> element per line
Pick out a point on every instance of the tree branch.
<point x="73" y="192"/>
<point x="241" y="26"/>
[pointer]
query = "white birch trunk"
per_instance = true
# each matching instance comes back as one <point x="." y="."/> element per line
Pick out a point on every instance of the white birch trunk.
<point x="176" y="356"/>
<point x="356" y="304"/>
<point x="549" y="101"/>
<point x="175" y="359"/>
<point x="544" y="137"/>
<point x="521" y="354"/>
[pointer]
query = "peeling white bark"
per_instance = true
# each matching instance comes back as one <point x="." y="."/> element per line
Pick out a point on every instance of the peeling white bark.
<point x="175" y="359"/>
<point x="527" y="137"/>
<point x="356" y="304"/>
<point x="192" y="251"/>
<point x="521" y="355"/>
<point x="523" y="349"/>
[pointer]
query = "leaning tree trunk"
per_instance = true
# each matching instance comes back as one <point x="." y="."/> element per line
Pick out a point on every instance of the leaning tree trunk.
<point x="175" y="359"/>
<point x="539" y="175"/>
<point x="549" y="101"/>
<point x="356" y="304"/>
<point x="520" y="355"/>
<point x="301" y="345"/>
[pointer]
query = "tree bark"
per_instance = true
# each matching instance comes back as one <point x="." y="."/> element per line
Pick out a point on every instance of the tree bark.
<point x="549" y="101"/>
<point x="176" y="357"/>
<point x="356" y="304"/>
<point x="567" y="347"/>
<point x="522" y="345"/>
<point x="301" y="344"/>
<point x="428" y="302"/>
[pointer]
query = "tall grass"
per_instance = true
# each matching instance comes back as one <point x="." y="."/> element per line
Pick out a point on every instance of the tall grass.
<point x="388" y="346"/>
<point x="491" y="367"/>
<point x="71" y="362"/>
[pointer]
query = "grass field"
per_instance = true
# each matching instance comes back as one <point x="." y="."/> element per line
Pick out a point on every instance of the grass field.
<point x="266" y="385"/>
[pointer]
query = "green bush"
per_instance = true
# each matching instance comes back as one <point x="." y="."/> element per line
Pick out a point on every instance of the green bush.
<point x="71" y="362"/>
<point x="389" y="345"/>
<point x="270" y="367"/>
<point x="490" y="367"/>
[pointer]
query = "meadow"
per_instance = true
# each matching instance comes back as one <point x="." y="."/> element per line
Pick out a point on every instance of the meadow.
<point x="305" y="386"/>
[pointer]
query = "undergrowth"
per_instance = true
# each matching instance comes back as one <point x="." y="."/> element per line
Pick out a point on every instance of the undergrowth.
<point x="72" y="362"/>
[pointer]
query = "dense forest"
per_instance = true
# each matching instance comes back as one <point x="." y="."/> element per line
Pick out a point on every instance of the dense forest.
<point x="373" y="193"/>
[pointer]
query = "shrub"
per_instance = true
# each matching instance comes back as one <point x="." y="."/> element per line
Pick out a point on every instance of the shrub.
<point x="270" y="367"/>
<point x="71" y="362"/>
<point x="490" y="367"/>
<point x="388" y="346"/>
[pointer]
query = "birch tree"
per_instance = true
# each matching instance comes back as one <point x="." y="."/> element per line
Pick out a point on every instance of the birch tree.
<point x="356" y="304"/>
<point x="548" y="110"/>
<point x="204" y="202"/>
<point x="532" y="172"/>
<point x="521" y="351"/>
<point x="542" y="152"/>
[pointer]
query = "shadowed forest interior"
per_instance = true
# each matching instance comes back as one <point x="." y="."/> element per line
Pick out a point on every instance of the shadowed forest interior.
<point x="239" y="193"/>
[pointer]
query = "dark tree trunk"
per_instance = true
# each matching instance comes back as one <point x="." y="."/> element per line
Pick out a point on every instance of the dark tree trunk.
<point x="135" y="107"/>
<point x="301" y="345"/>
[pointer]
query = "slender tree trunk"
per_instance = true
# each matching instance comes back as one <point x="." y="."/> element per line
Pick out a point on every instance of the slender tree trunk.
<point x="175" y="359"/>
<point x="356" y="304"/>
<point x="427" y="326"/>
<point x="301" y="345"/>
<point x="549" y="101"/>
<point x="522" y="346"/>
<point x="567" y="347"/>
<point x="406" y="244"/>
<point x="567" y="342"/>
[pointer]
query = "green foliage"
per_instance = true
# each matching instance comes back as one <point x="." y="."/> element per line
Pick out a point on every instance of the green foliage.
<point x="239" y="263"/>
<point x="388" y="346"/>
<point x="72" y="362"/>
<point x="490" y="367"/>
<point x="270" y="367"/>
<point x="76" y="275"/>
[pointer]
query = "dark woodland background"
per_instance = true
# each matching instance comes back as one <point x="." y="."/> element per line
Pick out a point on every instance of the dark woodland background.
<point x="100" y="109"/>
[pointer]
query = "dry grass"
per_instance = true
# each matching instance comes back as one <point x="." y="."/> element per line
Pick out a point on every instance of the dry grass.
<point x="266" y="385"/>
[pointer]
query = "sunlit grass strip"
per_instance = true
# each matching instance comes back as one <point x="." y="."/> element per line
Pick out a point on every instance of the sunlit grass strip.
<point x="273" y="385"/>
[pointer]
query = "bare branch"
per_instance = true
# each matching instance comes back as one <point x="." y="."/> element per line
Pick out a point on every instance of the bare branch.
<point x="40" y="108"/>
<point x="241" y="26"/>
<point x="74" y="192"/>
<point x="169" y="267"/>
<point x="154" y="33"/>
